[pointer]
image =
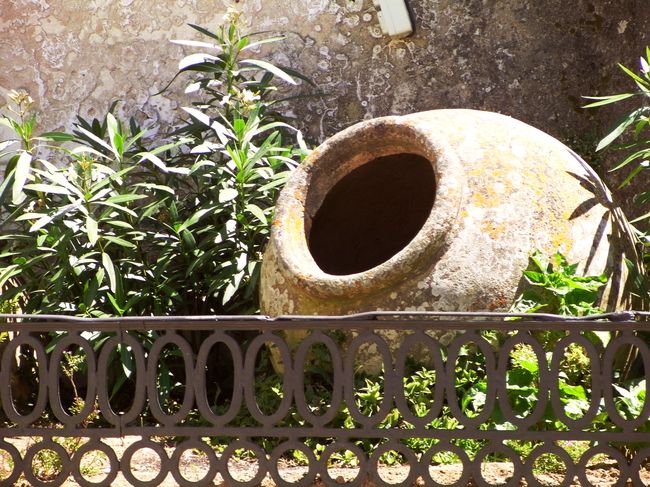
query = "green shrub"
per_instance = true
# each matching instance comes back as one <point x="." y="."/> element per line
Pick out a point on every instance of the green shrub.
<point x="632" y="135"/>
<point x="94" y="223"/>
<point x="633" y="128"/>
<point x="555" y="288"/>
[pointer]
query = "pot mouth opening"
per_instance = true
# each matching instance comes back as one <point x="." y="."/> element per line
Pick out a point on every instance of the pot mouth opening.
<point x="372" y="213"/>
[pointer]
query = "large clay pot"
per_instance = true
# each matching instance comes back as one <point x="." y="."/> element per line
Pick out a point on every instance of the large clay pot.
<point x="436" y="211"/>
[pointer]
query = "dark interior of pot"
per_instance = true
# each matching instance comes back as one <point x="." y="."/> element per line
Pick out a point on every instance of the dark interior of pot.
<point x="372" y="213"/>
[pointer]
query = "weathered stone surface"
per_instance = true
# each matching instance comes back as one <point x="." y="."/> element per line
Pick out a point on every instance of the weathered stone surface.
<point x="527" y="58"/>
<point x="530" y="59"/>
<point x="503" y="189"/>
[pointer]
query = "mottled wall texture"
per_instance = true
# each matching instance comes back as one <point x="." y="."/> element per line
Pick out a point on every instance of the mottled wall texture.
<point x="531" y="59"/>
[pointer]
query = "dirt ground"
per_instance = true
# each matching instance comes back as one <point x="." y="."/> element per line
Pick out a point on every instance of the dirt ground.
<point x="193" y="466"/>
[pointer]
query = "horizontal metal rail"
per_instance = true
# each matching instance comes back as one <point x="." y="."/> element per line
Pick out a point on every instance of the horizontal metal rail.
<point x="179" y="369"/>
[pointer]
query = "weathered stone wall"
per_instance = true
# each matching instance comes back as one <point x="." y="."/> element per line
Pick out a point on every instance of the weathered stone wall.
<point x="531" y="59"/>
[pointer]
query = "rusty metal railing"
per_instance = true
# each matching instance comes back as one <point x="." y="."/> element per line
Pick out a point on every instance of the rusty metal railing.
<point x="191" y="357"/>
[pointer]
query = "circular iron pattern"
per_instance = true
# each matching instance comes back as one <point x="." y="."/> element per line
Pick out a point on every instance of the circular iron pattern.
<point x="408" y="454"/>
<point x="349" y="372"/>
<point x="338" y="446"/>
<point x="56" y="360"/>
<point x="66" y="465"/>
<point x="90" y="446"/>
<point x="453" y="353"/>
<point x="279" y="451"/>
<point x="126" y="467"/>
<point x="610" y="356"/>
<point x="435" y="355"/>
<point x="175" y="466"/>
<point x="637" y="464"/>
<point x="302" y="356"/>
<point x="229" y="452"/>
<point x="544" y="381"/>
<point x="16" y="459"/>
<point x="170" y="338"/>
<point x="591" y="352"/>
<point x="603" y="450"/>
<point x="200" y="376"/>
<point x="103" y="393"/>
<point x="6" y="393"/>
<point x="490" y="449"/>
<point x="250" y="396"/>
<point x="542" y="450"/>
<point x="600" y="359"/>
<point x="425" y="461"/>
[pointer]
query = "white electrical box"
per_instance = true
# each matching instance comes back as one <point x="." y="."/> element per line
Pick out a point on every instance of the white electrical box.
<point x="394" y="17"/>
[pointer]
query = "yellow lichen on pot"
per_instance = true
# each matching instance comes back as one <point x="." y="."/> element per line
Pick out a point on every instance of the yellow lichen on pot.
<point x="436" y="211"/>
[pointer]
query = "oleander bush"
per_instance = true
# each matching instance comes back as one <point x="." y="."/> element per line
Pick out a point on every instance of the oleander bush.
<point x="110" y="220"/>
<point x="113" y="219"/>
<point x="631" y="136"/>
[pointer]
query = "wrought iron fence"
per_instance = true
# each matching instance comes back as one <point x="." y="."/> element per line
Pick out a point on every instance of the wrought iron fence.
<point x="192" y="390"/>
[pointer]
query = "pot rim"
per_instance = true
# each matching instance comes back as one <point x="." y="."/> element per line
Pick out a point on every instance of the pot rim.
<point x="334" y="159"/>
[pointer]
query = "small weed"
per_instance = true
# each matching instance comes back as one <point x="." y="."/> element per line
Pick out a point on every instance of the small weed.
<point x="557" y="289"/>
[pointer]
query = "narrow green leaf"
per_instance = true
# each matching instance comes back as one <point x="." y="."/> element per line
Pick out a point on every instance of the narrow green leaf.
<point x="230" y="291"/>
<point x="7" y="273"/>
<point x="196" y="58"/>
<point x="614" y="134"/>
<point x="7" y="143"/>
<point x="188" y="239"/>
<point x="193" y="219"/>
<point x="606" y="100"/>
<point x="115" y="136"/>
<point x="28" y="216"/>
<point x="223" y="133"/>
<point x="93" y="137"/>
<point x="124" y="198"/>
<point x="84" y="149"/>
<point x="633" y="75"/>
<point x="270" y="68"/>
<point x="91" y="230"/>
<point x="204" y="31"/>
<point x="631" y="158"/>
<point x="119" y="241"/>
<point x="45" y="219"/>
<point x="172" y="145"/>
<point x="633" y="173"/>
<point x="118" y="207"/>
<point x="299" y="75"/>
<point x="268" y="40"/>
<point x="161" y="165"/>
<point x="41" y="222"/>
<point x="119" y="224"/>
<point x="642" y="217"/>
<point x="159" y="187"/>
<point x="126" y="359"/>
<point x="274" y="184"/>
<point x="5" y="185"/>
<point x="266" y="128"/>
<point x="115" y="304"/>
<point x="56" y="136"/>
<point x="257" y="212"/>
<point x="110" y="270"/>
<point x="21" y="174"/>
<point x="47" y="188"/>
<point x="7" y="123"/>
<point x="227" y="194"/>
<point x="198" y="114"/>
